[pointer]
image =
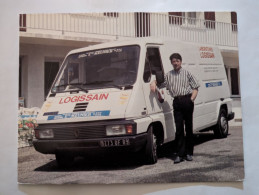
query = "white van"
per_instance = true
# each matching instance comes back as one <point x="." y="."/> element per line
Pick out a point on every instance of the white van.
<point x="101" y="98"/>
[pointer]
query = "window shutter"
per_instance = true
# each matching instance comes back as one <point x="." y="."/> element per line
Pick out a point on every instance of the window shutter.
<point x="175" y="18"/>
<point x="210" y="20"/>
<point x="234" y="21"/>
<point x="22" y="22"/>
<point x="111" y="14"/>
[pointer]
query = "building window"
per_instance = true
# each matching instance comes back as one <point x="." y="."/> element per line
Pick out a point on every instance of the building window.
<point x="111" y="14"/>
<point x="234" y="81"/>
<point x="210" y="20"/>
<point x="179" y="18"/>
<point x="22" y="22"/>
<point x="50" y="72"/>
<point x="142" y="24"/>
<point x="175" y="18"/>
<point x="234" y="21"/>
<point x="190" y="17"/>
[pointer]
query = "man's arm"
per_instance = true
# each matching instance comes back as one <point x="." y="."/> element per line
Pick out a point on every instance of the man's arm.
<point x="194" y="94"/>
<point x="153" y="86"/>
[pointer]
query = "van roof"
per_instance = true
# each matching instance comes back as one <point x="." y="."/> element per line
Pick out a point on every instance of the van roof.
<point x="133" y="41"/>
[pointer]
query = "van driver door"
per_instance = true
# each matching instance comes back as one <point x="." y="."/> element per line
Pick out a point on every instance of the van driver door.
<point x="155" y="107"/>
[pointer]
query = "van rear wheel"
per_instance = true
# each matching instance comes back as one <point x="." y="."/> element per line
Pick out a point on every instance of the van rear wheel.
<point x="151" y="147"/>
<point x="221" y="128"/>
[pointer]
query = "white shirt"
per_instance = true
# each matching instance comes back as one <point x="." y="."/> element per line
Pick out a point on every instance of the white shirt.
<point x="180" y="82"/>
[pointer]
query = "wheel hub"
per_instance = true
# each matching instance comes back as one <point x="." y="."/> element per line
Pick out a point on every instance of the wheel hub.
<point x="223" y="123"/>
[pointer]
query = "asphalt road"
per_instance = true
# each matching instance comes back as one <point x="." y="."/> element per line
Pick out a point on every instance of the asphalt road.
<point x="214" y="160"/>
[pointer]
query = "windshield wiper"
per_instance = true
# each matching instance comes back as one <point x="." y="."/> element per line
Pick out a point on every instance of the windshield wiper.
<point x="116" y="86"/>
<point x="97" y="82"/>
<point x="75" y="85"/>
<point x="107" y="86"/>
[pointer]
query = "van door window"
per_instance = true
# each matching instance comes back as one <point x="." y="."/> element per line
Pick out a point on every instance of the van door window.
<point x="154" y="58"/>
<point x="147" y="71"/>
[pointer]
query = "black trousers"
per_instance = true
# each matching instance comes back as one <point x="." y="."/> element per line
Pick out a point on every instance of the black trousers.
<point x="183" y="116"/>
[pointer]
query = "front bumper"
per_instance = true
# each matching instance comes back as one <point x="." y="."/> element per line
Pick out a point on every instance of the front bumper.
<point x="84" y="146"/>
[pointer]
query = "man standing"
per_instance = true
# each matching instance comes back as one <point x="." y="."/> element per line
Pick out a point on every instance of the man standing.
<point x="183" y="87"/>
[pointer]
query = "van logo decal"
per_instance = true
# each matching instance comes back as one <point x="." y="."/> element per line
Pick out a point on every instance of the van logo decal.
<point x="207" y="52"/>
<point x="50" y="113"/>
<point x="80" y="114"/>
<point x="84" y="98"/>
<point x="123" y="98"/>
<point x="213" y="84"/>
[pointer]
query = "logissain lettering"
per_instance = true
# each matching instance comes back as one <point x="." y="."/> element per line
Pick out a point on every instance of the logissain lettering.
<point x="84" y="98"/>
<point x="80" y="114"/>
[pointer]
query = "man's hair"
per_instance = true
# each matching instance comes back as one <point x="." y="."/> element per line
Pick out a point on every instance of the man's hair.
<point x="176" y="55"/>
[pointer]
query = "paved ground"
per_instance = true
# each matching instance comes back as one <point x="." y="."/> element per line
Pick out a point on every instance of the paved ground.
<point x="214" y="160"/>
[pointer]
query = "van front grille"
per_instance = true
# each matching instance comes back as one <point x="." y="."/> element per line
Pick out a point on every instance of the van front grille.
<point x="79" y="107"/>
<point x="89" y="132"/>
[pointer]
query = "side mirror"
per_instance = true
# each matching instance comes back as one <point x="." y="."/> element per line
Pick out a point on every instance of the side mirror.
<point x="160" y="77"/>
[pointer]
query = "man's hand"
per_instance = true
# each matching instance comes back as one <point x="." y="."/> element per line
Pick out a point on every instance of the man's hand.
<point x="153" y="86"/>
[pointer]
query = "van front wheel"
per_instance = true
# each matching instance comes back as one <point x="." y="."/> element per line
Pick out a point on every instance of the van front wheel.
<point x="151" y="147"/>
<point x="221" y="128"/>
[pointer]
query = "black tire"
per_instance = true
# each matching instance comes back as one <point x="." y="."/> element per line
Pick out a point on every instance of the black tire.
<point x="221" y="128"/>
<point x="151" y="147"/>
<point x="64" y="161"/>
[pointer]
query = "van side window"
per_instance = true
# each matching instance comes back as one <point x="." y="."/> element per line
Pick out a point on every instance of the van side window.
<point x="147" y="71"/>
<point x="154" y="58"/>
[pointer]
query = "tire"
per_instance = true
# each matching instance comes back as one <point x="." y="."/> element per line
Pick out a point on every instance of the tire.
<point x="221" y="128"/>
<point x="64" y="161"/>
<point x="151" y="147"/>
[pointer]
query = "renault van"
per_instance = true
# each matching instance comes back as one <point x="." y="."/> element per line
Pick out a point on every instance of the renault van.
<point x="101" y="99"/>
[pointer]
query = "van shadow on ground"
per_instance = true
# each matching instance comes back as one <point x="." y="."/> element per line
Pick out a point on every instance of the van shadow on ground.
<point x="97" y="162"/>
<point x="168" y="150"/>
<point x="118" y="161"/>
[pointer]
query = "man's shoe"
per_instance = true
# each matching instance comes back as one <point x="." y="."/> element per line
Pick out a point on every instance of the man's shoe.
<point x="189" y="157"/>
<point x="177" y="160"/>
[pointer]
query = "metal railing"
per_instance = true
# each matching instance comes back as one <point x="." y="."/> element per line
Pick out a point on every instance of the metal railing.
<point x="132" y="25"/>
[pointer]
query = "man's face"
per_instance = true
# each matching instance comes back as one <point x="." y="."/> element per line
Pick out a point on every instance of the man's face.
<point x="176" y="64"/>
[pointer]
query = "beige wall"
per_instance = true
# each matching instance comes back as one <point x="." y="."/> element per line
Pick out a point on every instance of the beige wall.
<point x="54" y="44"/>
<point x="223" y="17"/>
<point x="34" y="57"/>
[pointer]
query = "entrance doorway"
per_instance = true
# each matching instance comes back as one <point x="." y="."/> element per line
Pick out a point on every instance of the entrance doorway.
<point x="50" y="72"/>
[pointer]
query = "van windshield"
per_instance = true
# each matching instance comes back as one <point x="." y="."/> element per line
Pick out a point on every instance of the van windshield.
<point x="104" y="68"/>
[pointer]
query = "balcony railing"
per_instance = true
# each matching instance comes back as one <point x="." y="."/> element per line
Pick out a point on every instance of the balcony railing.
<point x="132" y="25"/>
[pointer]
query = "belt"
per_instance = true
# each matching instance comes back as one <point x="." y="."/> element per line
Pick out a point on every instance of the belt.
<point x="182" y="96"/>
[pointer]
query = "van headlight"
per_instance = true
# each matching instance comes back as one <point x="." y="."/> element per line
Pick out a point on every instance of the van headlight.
<point x="119" y="130"/>
<point x="44" y="134"/>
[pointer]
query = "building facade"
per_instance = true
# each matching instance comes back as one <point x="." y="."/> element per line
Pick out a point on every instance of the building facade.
<point x="45" y="39"/>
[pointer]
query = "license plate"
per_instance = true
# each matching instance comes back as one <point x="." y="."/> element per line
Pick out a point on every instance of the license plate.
<point x="114" y="142"/>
